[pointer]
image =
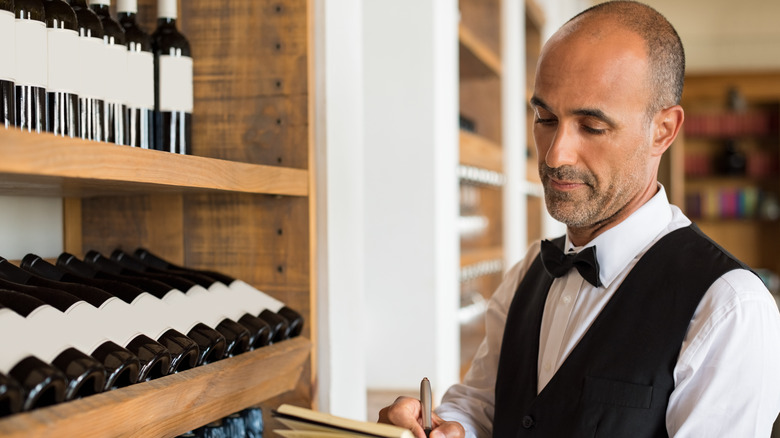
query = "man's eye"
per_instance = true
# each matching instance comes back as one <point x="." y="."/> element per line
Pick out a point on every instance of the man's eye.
<point x="594" y="131"/>
<point x="541" y="121"/>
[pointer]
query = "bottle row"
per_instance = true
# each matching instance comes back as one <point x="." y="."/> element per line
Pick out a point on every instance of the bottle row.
<point x="78" y="327"/>
<point x="731" y="124"/>
<point x="732" y="203"/>
<point x="75" y="71"/>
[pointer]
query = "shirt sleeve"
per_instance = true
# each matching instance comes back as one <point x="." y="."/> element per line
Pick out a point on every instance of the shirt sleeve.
<point x="471" y="403"/>
<point x="727" y="378"/>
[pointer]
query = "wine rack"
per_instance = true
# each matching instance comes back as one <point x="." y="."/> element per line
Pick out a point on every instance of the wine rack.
<point x="241" y="205"/>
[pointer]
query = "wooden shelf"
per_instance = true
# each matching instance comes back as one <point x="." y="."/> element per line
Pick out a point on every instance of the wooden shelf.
<point x="484" y="254"/>
<point x="534" y="13"/>
<point x="476" y="58"/>
<point x="478" y="151"/>
<point x="46" y="165"/>
<point x="173" y="404"/>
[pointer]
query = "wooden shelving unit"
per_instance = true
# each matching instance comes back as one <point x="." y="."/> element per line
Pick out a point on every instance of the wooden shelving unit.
<point x="242" y="205"/>
<point x="39" y="166"/>
<point x="481" y="75"/>
<point x="730" y="208"/>
<point x="170" y="405"/>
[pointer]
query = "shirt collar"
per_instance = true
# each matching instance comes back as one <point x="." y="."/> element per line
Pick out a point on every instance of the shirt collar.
<point x="619" y="245"/>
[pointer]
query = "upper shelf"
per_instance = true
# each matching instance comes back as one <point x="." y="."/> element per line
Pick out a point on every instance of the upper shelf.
<point x="171" y="405"/>
<point x="47" y="165"/>
<point x="478" y="151"/>
<point x="476" y="58"/>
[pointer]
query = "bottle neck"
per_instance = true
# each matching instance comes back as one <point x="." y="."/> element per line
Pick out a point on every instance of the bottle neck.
<point x="126" y="16"/>
<point x="99" y="8"/>
<point x="79" y="3"/>
<point x="166" y="22"/>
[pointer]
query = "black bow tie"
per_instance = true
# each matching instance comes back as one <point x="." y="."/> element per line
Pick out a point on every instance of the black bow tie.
<point x="557" y="264"/>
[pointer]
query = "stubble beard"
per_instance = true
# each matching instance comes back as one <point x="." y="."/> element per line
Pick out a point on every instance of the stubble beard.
<point x="575" y="209"/>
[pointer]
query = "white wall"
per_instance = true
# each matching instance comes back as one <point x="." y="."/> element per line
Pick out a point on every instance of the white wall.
<point x="30" y="225"/>
<point x="725" y="35"/>
<point x="411" y="190"/>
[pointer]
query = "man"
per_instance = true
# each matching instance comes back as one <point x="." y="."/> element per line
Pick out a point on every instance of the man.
<point x="668" y="335"/>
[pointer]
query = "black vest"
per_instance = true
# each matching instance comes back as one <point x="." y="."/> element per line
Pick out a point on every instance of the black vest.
<point x="617" y="380"/>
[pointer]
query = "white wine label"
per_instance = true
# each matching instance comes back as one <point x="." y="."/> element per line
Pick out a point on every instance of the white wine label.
<point x="260" y="300"/>
<point x="7" y="48"/>
<point x="130" y="6"/>
<point x="140" y="82"/>
<point x="186" y="312"/>
<point x="52" y="330"/>
<point x="30" y="53"/>
<point x="175" y="83"/>
<point x="166" y="9"/>
<point x="88" y="326"/>
<point x="123" y="325"/>
<point x="15" y="340"/>
<point x="116" y="61"/>
<point x="91" y="55"/>
<point x="63" y="53"/>
<point x="152" y="315"/>
<point x="205" y="305"/>
<point x="232" y="305"/>
<point x="100" y="2"/>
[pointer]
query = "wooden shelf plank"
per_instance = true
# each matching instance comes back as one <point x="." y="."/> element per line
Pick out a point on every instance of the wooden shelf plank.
<point x="43" y="164"/>
<point x="475" y="256"/>
<point x="476" y="58"/>
<point x="535" y="13"/>
<point x="478" y="151"/>
<point x="173" y="404"/>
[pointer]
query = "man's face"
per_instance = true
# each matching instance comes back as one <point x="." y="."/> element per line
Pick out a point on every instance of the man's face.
<point x="591" y="127"/>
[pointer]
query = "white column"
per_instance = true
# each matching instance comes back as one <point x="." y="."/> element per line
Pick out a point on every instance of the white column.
<point x="338" y="134"/>
<point x="411" y="193"/>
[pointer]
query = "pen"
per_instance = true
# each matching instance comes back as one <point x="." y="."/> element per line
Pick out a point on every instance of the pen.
<point x="425" y="399"/>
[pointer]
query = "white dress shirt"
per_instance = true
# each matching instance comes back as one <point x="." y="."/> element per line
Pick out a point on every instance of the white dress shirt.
<point x="727" y="377"/>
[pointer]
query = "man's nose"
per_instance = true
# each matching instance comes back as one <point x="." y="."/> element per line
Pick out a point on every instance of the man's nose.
<point x="563" y="147"/>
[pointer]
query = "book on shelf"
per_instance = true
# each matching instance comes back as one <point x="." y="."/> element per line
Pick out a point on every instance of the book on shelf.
<point x="306" y="423"/>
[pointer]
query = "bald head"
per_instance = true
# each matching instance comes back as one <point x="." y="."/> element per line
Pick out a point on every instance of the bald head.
<point x="664" y="50"/>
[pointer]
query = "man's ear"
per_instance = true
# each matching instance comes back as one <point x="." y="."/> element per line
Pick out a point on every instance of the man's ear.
<point x="666" y="126"/>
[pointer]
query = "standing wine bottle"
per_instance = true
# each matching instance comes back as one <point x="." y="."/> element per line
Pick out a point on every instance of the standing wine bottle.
<point x="30" y="42"/>
<point x="91" y="103"/>
<point x="115" y="64"/>
<point x="62" y="100"/>
<point x="140" y="71"/>
<point x="173" y="98"/>
<point x="8" y="66"/>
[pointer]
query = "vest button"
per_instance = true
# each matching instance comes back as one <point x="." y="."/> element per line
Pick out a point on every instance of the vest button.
<point x="528" y="422"/>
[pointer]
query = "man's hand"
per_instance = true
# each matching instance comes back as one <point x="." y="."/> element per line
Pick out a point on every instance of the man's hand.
<point x="407" y="412"/>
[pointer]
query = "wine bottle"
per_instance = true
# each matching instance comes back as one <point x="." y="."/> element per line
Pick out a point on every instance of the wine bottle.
<point x="259" y="330"/>
<point x="140" y="71"/>
<point x="115" y="71"/>
<point x="144" y="293"/>
<point x="62" y="100"/>
<point x="197" y="299"/>
<point x="42" y="332"/>
<point x="287" y="322"/>
<point x="91" y="79"/>
<point x="30" y="42"/>
<point x="173" y="96"/>
<point x="127" y="322"/>
<point x="11" y="396"/>
<point x="42" y="384"/>
<point x="8" y="66"/>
